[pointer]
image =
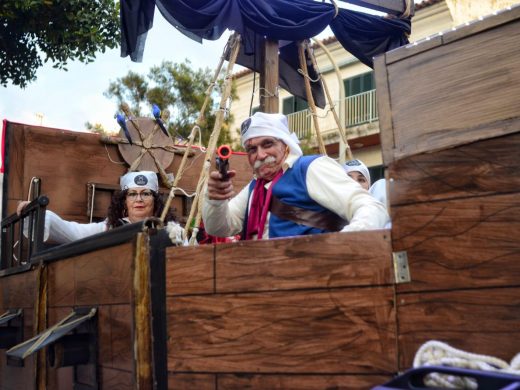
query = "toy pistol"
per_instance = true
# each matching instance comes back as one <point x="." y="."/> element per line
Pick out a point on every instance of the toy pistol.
<point x="222" y="159"/>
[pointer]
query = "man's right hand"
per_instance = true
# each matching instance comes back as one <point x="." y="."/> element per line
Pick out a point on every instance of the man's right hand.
<point x="21" y="206"/>
<point x="219" y="189"/>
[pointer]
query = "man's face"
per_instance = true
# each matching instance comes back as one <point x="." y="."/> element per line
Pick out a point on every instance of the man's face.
<point x="266" y="155"/>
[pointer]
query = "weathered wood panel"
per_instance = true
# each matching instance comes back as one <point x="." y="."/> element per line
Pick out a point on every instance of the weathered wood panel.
<point x="482" y="321"/>
<point x="96" y="278"/>
<point x="327" y="331"/>
<point x="481" y="168"/>
<point x="14" y="165"/>
<point x="116" y="379"/>
<point x="17" y="377"/>
<point x="461" y="243"/>
<point x="115" y="337"/>
<point x="300" y="382"/>
<point x="320" y="261"/>
<point x="190" y="270"/>
<point x="192" y="381"/>
<point x="66" y="161"/>
<point x="18" y="290"/>
<point x="437" y="103"/>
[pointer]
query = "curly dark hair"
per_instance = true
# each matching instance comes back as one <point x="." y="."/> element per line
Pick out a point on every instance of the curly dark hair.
<point x="117" y="209"/>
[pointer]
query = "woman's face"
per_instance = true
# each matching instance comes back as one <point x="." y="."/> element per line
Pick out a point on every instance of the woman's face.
<point x="358" y="176"/>
<point x="139" y="204"/>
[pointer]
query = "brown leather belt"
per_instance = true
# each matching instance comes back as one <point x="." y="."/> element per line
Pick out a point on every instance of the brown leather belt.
<point x="326" y="220"/>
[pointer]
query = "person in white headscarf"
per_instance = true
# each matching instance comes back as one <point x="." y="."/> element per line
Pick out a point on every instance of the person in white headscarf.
<point x="137" y="200"/>
<point x="358" y="171"/>
<point x="290" y="194"/>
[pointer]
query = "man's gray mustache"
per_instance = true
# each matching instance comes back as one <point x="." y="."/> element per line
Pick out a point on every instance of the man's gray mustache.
<point x="267" y="160"/>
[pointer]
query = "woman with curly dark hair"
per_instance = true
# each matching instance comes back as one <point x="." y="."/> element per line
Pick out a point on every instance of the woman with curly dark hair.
<point x="137" y="200"/>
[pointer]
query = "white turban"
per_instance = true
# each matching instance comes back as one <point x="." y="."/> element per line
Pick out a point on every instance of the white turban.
<point x="357" y="165"/>
<point x="270" y="125"/>
<point x="143" y="179"/>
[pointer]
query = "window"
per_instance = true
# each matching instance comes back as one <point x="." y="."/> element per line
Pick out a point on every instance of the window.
<point x="298" y="116"/>
<point x="360" y="100"/>
<point x="358" y="84"/>
<point x="293" y="104"/>
<point x="376" y="172"/>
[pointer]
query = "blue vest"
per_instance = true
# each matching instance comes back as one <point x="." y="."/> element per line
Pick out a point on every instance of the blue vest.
<point x="291" y="189"/>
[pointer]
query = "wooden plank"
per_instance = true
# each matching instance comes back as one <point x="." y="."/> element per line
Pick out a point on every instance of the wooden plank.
<point x="142" y="312"/>
<point x="481" y="168"/>
<point x="482" y="321"/>
<point x="319" y="261"/>
<point x="12" y="377"/>
<point x="115" y="379"/>
<point x="192" y="381"/>
<point x="330" y="331"/>
<point x="384" y="107"/>
<point x="269" y="77"/>
<point x="394" y="7"/>
<point x="18" y="290"/>
<point x="413" y="49"/>
<point x="464" y="243"/>
<point x="115" y="337"/>
<point x="480" y="26"/>
<point x="437" y="103"/>
<point x="100" y="277"/>
<point x="300" y="382"/>
<point x="190" y="270"/>
<point x="15" y="160"/>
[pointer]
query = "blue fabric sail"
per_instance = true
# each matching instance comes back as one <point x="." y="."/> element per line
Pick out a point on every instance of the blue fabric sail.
<point x="363" y="35"/>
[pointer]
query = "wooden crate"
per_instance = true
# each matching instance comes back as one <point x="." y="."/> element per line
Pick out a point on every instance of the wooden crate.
<point x="450" y="131"/>
<point x="305" y="312"/>
<point x="455" y="88"/>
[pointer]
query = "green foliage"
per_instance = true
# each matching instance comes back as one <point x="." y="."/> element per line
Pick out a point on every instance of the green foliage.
<point x="97" y="128"/>
<point x="36" y="31"/>
<point x="176" y="87"/>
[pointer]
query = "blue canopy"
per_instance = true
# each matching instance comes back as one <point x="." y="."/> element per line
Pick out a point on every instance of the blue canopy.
<point x="287" y="21"/>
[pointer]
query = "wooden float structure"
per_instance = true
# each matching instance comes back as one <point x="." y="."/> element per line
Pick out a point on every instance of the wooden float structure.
<point x="340" y="310"/>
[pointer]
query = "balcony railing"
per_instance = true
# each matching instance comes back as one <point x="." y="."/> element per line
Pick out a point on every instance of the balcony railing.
<point x="359" y="109"/>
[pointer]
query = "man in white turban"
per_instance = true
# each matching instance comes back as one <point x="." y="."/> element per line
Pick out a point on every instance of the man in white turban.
<point x="290" y="194"/>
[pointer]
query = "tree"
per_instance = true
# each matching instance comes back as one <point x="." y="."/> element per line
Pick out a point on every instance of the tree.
<point x="176" y="87"/>
<point x="36" y="31"/>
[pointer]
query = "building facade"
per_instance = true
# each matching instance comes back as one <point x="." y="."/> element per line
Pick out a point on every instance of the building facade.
<point x="351" y="85"/>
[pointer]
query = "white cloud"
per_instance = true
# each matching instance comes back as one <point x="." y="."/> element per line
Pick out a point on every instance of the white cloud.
<point x="69" y="99"/>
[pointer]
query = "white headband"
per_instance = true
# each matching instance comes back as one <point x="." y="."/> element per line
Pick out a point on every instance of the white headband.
<point x="143" y="179"/>
<point x="270" y="125"/>
<point x="357" y="165"/>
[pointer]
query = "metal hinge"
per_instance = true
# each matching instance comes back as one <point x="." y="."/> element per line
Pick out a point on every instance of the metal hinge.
<point x="401" y="269"/>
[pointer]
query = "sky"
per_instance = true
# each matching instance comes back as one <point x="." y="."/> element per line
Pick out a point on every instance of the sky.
<point x="68" y="99"/>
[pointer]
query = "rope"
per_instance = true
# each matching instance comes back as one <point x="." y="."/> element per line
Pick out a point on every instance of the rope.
<point x="331" y="104"/>
<point x="191" y="138"/>
<point x="310" y="98"/>
<point x="407" y="11"/>
<point x="176" y="233"/>
<point x="438" y="353"/>
<point x="336" y="8"/>
<point x="46" y="334"/>
<point x="110" y="158"/>
<point x="234" y="43"/>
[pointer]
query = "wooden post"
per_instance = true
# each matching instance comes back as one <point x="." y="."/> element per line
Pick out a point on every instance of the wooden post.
<point x="269" y="78"/>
